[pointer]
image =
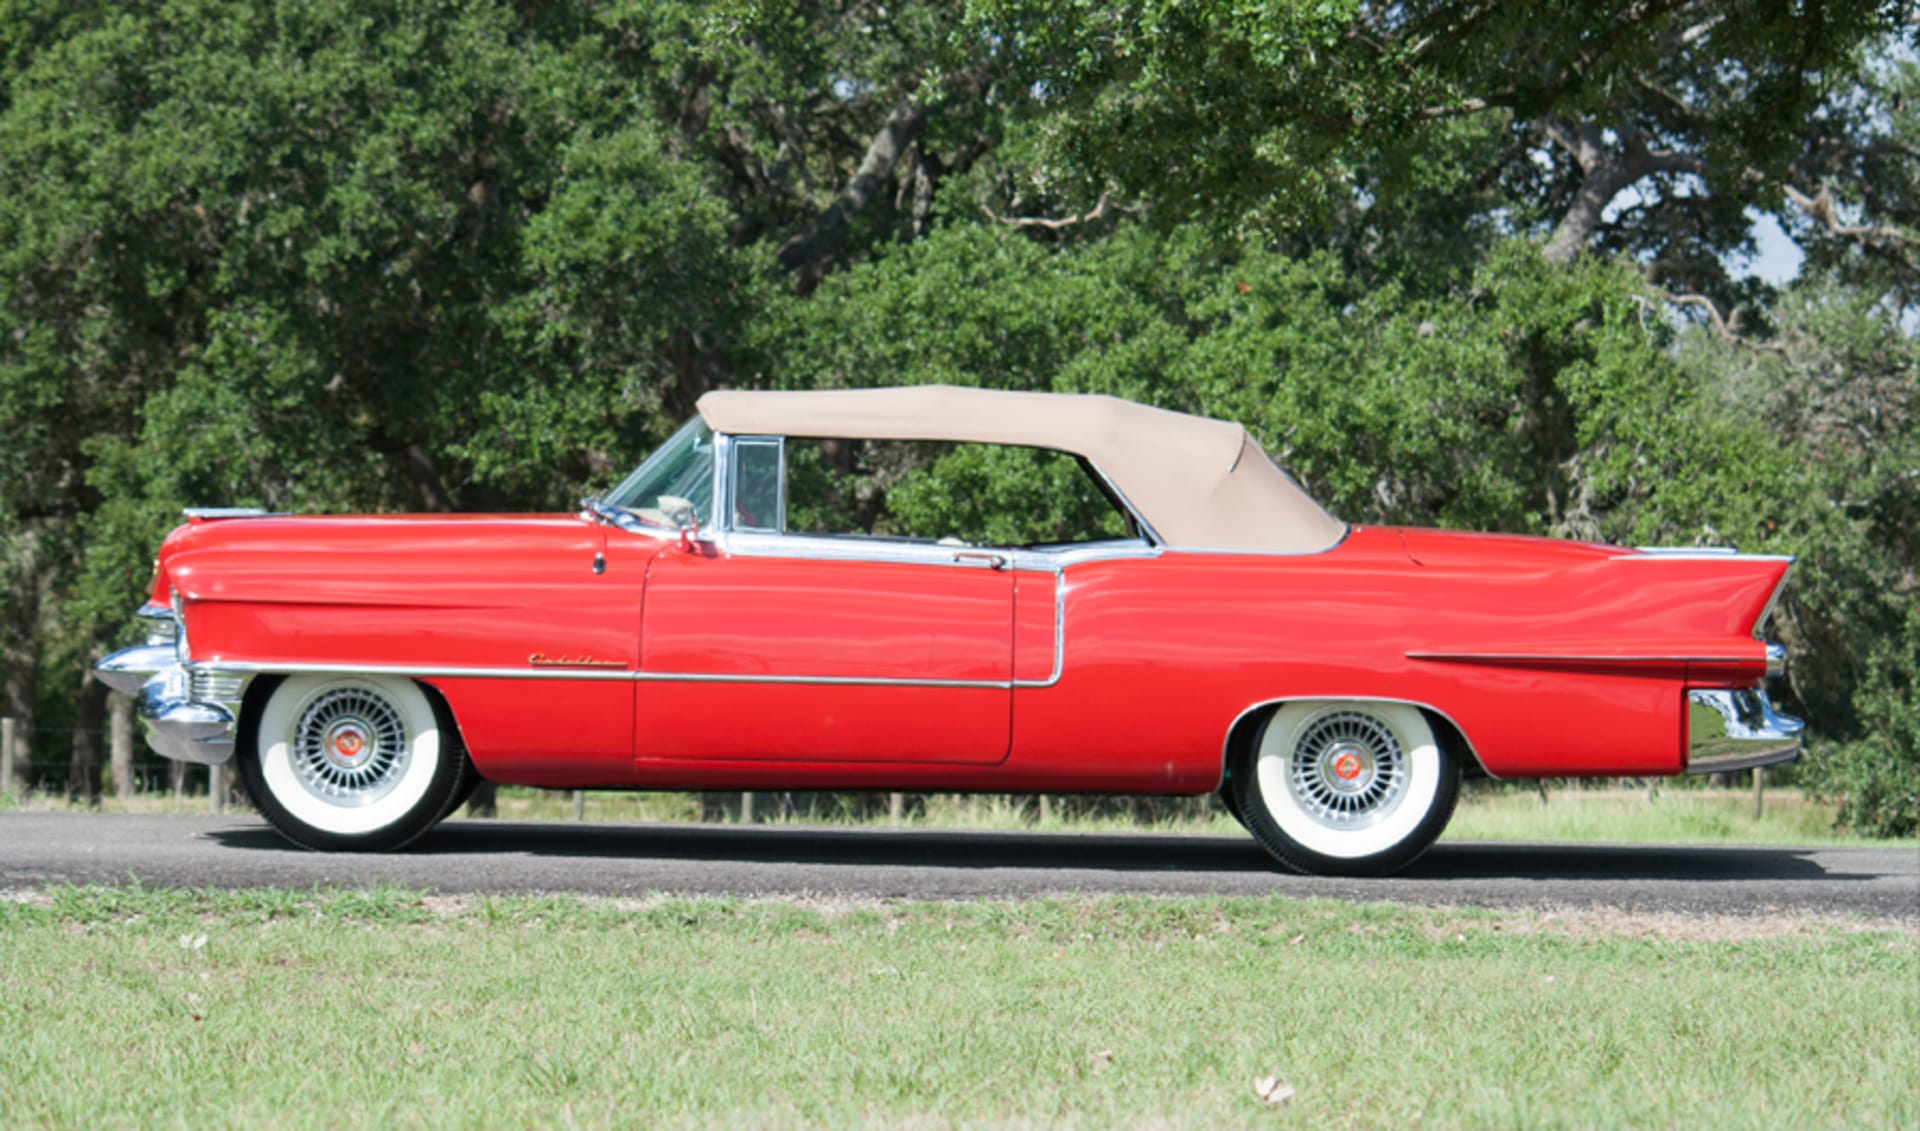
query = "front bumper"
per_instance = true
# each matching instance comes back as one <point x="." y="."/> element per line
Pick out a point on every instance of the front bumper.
<point x="1738" y="730"/>
<point x="190" y="711"/>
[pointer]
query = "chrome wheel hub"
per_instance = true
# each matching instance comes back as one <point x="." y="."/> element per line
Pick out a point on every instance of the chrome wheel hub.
<point x="349" y="746"/>
<point x="1347" y="769"/>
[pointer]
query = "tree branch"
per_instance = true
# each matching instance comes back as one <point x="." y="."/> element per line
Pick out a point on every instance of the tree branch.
<point x="1724" y="328"/>
<point x="1098" y="210"/>
<point x="1826" y="210"/>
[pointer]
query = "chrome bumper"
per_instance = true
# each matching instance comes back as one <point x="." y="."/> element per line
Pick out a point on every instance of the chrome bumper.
<point x="190" y="712"/>
<point x="1738" y="730"/>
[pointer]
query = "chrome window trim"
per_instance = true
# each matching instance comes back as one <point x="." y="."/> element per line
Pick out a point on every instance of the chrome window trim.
<point x="865" y="548"/>
<point x="1228" y="551"/>
<point x="847" y="547"/>
<point x="722" y="461"/>
<point x="1140" y="522"/>
<point x="736" y="445"/>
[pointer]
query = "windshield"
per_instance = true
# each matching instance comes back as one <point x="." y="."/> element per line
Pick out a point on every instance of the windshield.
<point x="674" y="487"/>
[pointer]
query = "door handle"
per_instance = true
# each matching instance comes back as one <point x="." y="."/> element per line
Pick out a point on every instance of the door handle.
<point x="986" y="561"/>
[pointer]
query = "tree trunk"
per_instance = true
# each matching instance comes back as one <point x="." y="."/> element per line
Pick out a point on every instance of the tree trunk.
<point x="20" y="655"/>
<point x="83" y="771"/>
<point x="120" y="712"/>
<point x="811" y="252"/>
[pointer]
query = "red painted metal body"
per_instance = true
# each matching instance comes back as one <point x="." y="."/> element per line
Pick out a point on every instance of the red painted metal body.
<point x="571" y="653"/>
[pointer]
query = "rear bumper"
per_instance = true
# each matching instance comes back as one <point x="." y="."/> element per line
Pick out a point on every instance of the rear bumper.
<point x="1738" y="730"/>
<point x="190" y="712"/>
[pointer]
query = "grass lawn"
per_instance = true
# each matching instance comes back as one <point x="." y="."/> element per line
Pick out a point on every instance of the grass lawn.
<point x="124" y="1007"/>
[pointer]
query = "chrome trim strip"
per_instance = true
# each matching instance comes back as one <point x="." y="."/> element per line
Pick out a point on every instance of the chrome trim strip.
<point x="1766" y="614"/>
<point x="1568" y="658"/>
<point x="1689" y="551"/>
<point x="422" y="671"/>
<point x="1057" y="560"/>
<point x="1708" y="554"/>
<point x="228" y="512"/>
<point x="1776" y="660"/>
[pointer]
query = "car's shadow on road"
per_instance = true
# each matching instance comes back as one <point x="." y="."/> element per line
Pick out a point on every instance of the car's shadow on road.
<point x="1478" y="860"/>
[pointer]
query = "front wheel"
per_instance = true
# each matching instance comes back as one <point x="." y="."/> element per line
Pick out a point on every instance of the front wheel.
<point x="1347" y="787"/>
<point x="353" y="763"/>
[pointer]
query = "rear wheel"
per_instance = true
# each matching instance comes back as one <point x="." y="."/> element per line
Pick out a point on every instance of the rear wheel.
<point x="354" y="763"/>
<point x="1347" y="787"/>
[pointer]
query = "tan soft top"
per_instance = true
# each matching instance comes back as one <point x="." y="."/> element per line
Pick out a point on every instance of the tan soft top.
<point x="1200" y="483"/>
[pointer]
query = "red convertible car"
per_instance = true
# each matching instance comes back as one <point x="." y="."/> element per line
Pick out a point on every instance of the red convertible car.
<point x="1090" y="596"/>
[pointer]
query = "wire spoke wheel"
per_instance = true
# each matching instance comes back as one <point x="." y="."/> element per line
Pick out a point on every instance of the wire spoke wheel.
<point x="1347" y="787"/>
<point x="350" y="746"/>
<point x="351" y="762"/>
<point x="1347" y="769"/>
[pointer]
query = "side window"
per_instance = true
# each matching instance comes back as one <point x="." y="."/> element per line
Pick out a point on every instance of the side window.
<point x="979" y="494"/>
<point x="757" y="486"/>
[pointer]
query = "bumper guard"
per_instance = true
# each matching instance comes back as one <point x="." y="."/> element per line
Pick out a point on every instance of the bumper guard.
<point x="190" y="712"/>
<point x="1738" y="730"/>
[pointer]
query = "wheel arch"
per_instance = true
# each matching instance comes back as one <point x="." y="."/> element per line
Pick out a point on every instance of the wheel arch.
<point x="1245" y="730"/>
<point x="260" y="689"/>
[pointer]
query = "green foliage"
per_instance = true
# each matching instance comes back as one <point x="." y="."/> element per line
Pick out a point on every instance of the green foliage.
<point x="1876" y="777"/>
<point x="465" y="254"/>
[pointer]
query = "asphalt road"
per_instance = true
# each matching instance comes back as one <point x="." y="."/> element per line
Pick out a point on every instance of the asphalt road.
<point x="467" y="856"/>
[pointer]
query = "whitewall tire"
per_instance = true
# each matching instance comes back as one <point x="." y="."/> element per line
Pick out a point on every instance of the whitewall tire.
<point x="1347" y="787"/>
<point x="351" y="762"/>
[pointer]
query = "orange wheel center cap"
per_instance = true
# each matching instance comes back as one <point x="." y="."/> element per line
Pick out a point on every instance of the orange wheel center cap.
<point x="347" y="745"/>
<point x="1348" y="766"/>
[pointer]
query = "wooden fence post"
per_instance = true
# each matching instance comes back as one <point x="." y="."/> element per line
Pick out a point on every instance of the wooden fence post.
<point x="579" y="804"/>
<point x="1759" y="790"/>
<point x="746" y="808"/>
<point x="6" y="753"/>
<point x="216" y="789"/>
<point x="120" y="758"/>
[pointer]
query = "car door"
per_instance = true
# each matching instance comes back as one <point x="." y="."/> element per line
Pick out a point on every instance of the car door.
<point x="762" y="645"/>
<point x="805" y="652"/>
